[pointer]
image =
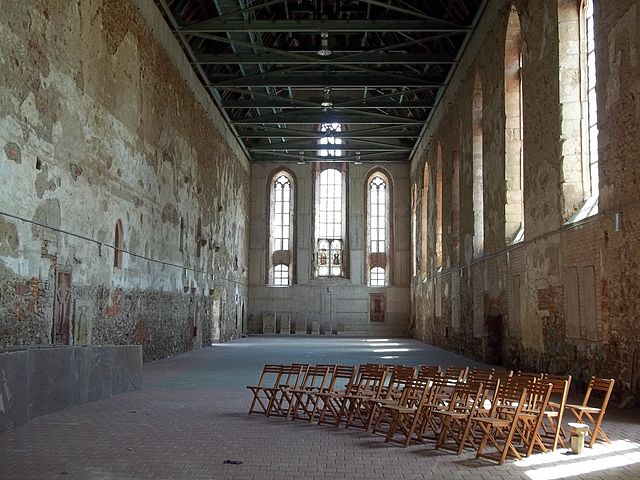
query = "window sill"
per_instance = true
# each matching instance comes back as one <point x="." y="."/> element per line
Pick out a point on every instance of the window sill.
<point x="588" y="209"/>
<point x="330" y="281"/>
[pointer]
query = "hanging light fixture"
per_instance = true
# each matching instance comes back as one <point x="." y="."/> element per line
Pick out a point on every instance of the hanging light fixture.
<point x="327" y="98"/>
<point x="324" y="51"/>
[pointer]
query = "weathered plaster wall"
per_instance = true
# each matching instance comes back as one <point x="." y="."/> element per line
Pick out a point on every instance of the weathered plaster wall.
<point x="100" y="121"/>
<point x="343" y="302"/>
<point x="567" y="293"/>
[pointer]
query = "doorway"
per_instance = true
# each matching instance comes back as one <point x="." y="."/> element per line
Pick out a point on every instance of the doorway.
<point x="494" y="325"/>
<point x="216" y="315"/>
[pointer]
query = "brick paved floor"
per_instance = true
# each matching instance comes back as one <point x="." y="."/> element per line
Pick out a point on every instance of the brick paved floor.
<point x="191" y="416"/>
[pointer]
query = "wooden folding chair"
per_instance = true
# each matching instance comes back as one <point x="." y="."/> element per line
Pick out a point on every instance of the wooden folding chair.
<point x="466" y="400"/>
<point x="499" y="428"/>
<point x="594" y="414"/>
<point x="356" y="408"/>
<point x="441" y="391"/>
<point x="281" y="396"/>
<point x="305" y="402"/>
<point x="552" y="433"/>
<point x="532" y="416"/>
<point x="451" y="377"/>
<point x="400" y="375"/>
<point x="342" y="381"/>
<point x="405" y="417"/>
<point x="262" y="392"/>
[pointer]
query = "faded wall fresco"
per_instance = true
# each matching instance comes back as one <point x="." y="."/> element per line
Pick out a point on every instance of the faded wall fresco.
<point x="98" y="124"/>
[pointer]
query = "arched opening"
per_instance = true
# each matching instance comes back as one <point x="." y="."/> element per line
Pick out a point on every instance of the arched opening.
<point x="494" y="327"/>
<point x="478" y="172"/>
<point x="379" y="234"/>
<point x="330" y="232"/>
<point x="513" y="165"/>
<point x="281" y="241"/>
<point x="117" y="243"/>
<point x="424" y="241"/>
<point x="414" y="232"/>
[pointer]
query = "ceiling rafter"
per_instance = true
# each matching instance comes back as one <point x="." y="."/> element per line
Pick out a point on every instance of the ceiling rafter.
<point x="379" y="72"/>
<point x="216" y="25"/>
<point x="354" y="58"/>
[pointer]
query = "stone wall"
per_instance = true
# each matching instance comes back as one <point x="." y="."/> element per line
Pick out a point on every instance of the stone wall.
<point x="564" y="299"/>
<point x="102" y="121"/>
<point x="338" y="303"/>
<point x="45" y="379"/>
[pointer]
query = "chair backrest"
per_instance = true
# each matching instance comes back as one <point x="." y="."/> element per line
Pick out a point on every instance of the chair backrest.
<point x="456" y="372"/>
<point x="415" y="393"/>
<point x="342" y="377"/>
<point x="503" y="375"/>
<point x="400" y="375"/>
<point x="316" y="377"/>
<point x="427" y="372"/>
<point x="370" y="381"/>
<point x="332" y="366"/>
<point x="466" y="397"/>
<point x="602" y="385"/>
<point x="538" y="396"/>
<point x="490" y="390"/>
<point x="534" y="375"/>
<point x="479" y="374"/>
<point x="441" y="390"/>
<point x="292" y="375"/>
<point x="270" y="376"/>
<point x="559" y="387"/>
<point x="510" y="394"/>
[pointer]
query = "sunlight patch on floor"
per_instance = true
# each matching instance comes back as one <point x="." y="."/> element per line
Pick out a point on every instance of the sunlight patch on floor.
<point x="561" y="464"/>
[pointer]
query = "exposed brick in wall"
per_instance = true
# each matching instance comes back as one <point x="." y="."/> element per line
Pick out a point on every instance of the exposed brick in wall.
<point x="527" y="284"/>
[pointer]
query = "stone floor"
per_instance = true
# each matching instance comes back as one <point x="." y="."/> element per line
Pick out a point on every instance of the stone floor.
<point x="191" y="416"/>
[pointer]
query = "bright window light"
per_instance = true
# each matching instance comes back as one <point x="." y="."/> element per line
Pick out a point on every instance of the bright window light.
<point x="560" y="455"/>
<point x="281" y="275"/>
<point x="390" y="350"/>
<point x="583" y="467"/>
<point x="330" y="140"/>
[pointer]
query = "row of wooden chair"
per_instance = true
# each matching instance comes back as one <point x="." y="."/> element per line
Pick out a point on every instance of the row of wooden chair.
<point x="509" y="413"/>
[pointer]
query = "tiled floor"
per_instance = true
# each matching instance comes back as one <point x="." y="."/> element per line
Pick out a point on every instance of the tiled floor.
<point x="191" y="417"/>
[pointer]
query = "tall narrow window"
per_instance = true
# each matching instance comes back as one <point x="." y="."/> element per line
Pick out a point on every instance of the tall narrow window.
<point x="478" y="179"/>
<point x="439" y="252"/>
<point x="330" y="143"/>
<point x="453" y="253"/>
<point x="330" y="198"/>
<point x="378" y="228"/>
<point x="579" y="128"/>
<point x="424" y="241"/>
<point x="591" y="117"/>
<point x="117" y="243"/>
<point x="414" y="230"/>
<point x="281" y="229"/>
<point x="513" y="65"/>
